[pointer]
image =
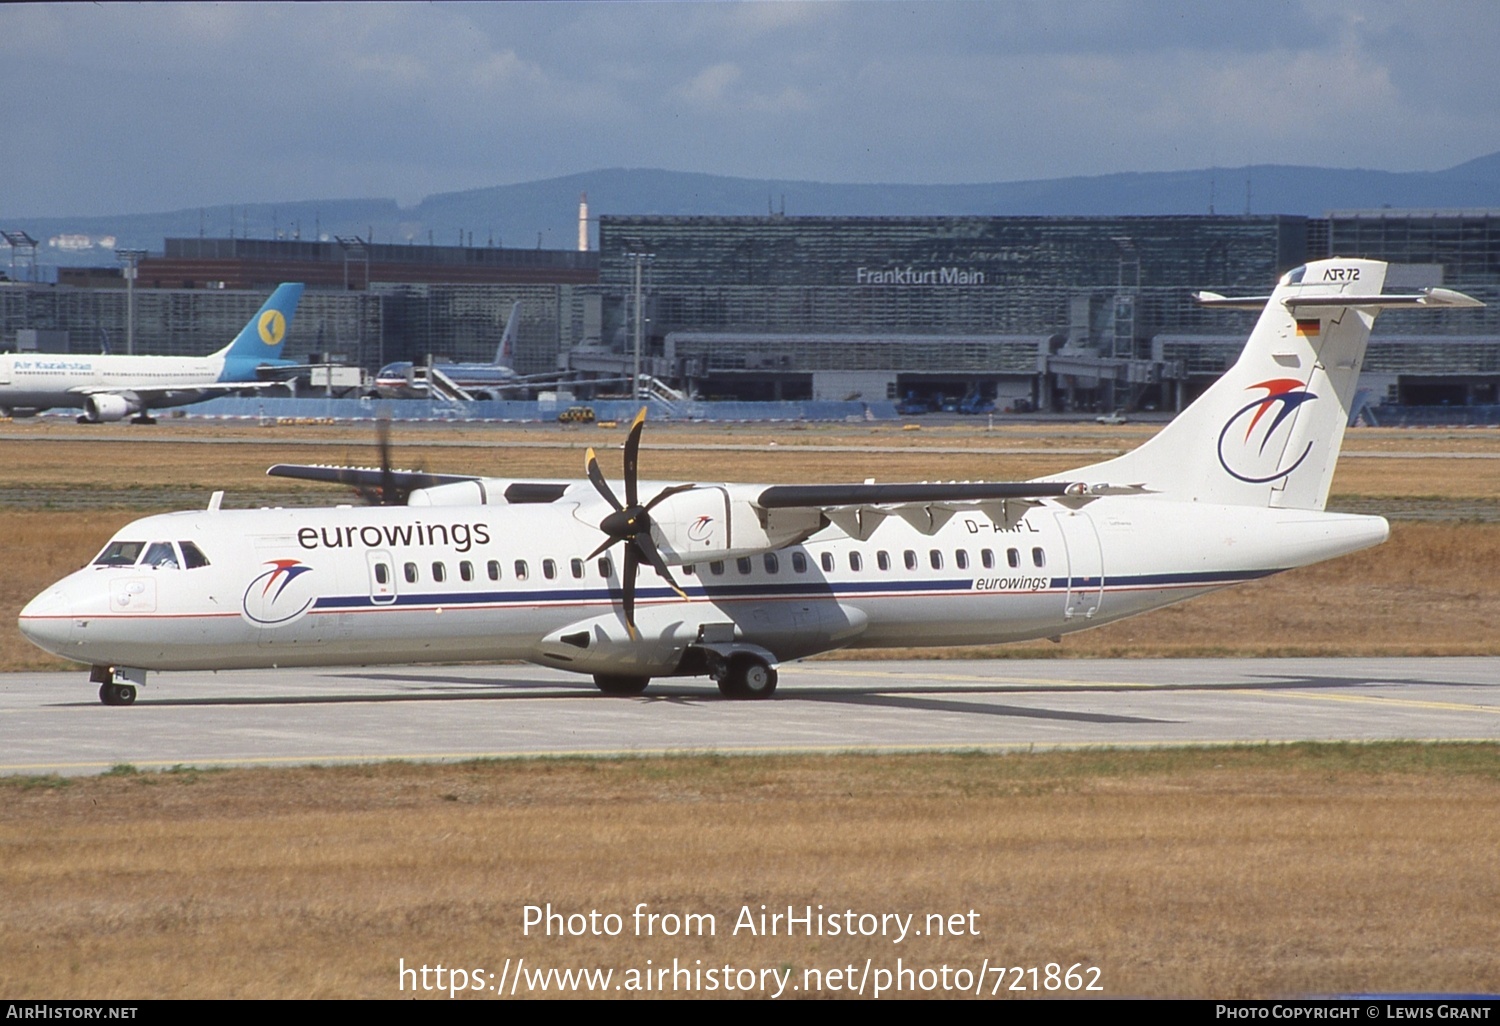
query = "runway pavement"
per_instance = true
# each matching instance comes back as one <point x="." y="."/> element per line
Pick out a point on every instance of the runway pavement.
<point x="53" y="722"/>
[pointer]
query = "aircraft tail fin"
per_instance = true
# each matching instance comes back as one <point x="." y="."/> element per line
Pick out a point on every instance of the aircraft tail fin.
<point x="259" y="341"/>
<point x="505" y="352"/>
<point x="1268" y="432"/>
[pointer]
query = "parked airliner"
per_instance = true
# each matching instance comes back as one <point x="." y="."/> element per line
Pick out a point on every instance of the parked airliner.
<point x="739" y="577"/>
<point x="404" y="380"/>
<point x="109" y="388"/>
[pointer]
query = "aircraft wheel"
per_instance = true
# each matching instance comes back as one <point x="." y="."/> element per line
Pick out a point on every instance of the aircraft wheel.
<point x="747" y="677"/>
<point x="619" y="684"/>
<point x="117" y="694"/>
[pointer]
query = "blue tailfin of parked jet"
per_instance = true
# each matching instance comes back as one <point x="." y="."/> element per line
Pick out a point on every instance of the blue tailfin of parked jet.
<point x="260" y="341"/>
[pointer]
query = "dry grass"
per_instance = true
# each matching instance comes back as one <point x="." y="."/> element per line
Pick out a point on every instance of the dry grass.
<point x="120" y="458"/>
<point x="1228" y="873"/>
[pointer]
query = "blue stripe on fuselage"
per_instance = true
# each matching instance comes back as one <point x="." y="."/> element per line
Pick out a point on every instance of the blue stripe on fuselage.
<point x="795" y="589"/>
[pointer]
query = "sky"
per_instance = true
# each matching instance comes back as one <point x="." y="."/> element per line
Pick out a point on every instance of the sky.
<point x="126" y="108"/>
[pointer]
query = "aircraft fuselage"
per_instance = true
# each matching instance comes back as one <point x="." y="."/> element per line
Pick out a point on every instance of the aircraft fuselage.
<point x="302" y="587"/>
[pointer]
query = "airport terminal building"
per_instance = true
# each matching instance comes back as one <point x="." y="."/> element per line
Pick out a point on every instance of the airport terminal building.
<point x="1039" y="312"/>
<point x="1053" y="313"/>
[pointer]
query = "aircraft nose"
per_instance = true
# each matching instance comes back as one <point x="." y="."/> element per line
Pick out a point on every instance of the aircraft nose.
<point x="47" y="620"/>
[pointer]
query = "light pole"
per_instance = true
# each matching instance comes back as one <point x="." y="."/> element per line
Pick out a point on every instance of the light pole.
<point x="641" y="259"/>
<point x="130" y="260"/>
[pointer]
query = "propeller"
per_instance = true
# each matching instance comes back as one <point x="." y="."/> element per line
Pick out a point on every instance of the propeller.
<point x="387" y="491"/>
<point x="630" y="523"/>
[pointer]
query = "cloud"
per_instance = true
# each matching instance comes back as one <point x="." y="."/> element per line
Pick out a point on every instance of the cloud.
<point x="118" y="108"/>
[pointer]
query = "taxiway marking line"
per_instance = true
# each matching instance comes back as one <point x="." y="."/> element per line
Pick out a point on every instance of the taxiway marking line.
<point x="984" y="680"/>
<point x="1378" y="700"/>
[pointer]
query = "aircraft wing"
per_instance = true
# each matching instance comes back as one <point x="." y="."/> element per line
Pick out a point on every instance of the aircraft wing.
<point x="362" y="478"/>
<point x="206" y="389"/>
<point x="858" y="509"/>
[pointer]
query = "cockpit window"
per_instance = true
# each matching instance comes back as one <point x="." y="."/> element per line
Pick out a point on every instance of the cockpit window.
<point x="192" y="555"/>
<point x="1294" y="276"/>
<point x="120" y="553"/>
<point x="161" y="554"/>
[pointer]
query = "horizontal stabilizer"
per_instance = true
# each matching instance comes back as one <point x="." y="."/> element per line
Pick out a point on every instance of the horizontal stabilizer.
<point x="1427" y="297"/>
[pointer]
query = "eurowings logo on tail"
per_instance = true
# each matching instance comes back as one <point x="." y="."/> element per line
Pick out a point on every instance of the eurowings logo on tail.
<point x="1251" y="457"/>
<point x="263" y="603"/>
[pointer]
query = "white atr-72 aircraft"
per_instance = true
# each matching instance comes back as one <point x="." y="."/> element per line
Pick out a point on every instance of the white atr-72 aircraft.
<point x="111" y="388"/>
<point x="739" y="577"/>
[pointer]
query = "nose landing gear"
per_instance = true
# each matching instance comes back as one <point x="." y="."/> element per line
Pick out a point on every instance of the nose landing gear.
<point x="113" y="691"/>
<point x="116" y="694"/>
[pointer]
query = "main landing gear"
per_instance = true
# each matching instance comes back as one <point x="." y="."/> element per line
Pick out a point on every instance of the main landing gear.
<point x="747" y="676"/>
<point x="743" y="676"/>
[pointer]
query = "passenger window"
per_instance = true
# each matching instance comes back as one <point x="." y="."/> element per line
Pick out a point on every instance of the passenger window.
<point x="382" y="574"/>
<point x="856" y="562"/>
<point x="961" y="559"/>
<point x="120" y="553"/>
<point x="161" y="555"/>
<point x="439" y="572"/>
<point x="911" y="559"/>
<point x="743" y="564"/>
<point x="883" y="559"/>
<point x="1013" y="557"/>
<point x="772" y="563"/>
<point x="493" y="569"/>
<point x="521" y="571"/>
<point x="936" y="558"/>
<point x="466" y="570"/>
<point x="411" y="573"/>
<point x="1038" y="557"/>
<point x="716" y="567"/>
<point x="192" y="555"/>
<point x="688" y="570"/>
<point x="606" y="569"/>
<point x="576" y="565"/>
<point x="799" y="562"/>
<point x="827" y="560"/>
<point x="549" y="568"/>
<point x="987" y="557"/>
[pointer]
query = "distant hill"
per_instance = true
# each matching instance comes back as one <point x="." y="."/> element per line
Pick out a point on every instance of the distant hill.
<point x="546" y="212"/>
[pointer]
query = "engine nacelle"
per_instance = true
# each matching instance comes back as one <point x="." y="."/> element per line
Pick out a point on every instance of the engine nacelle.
<point x="712" y="522"/>
<point x="101" y="408"/>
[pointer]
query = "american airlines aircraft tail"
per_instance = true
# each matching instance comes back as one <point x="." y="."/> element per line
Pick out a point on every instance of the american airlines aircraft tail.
<point x="1268" y="432"/>
<point x="505" y="352"/>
